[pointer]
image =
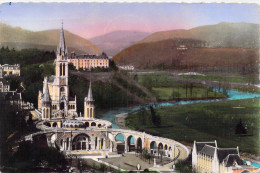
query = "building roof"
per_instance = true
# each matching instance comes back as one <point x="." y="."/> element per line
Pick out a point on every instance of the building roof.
<point x="224" y="152"/>
<point x="62" y="48"/>
<point x="231" y="159"/>
<point x="90" y="96"/>
<point x="87" y="56"/>
<point x="51" y="79"/>
<point x="208" y="150"/>
<point x="200" y="145"/>
<point x="46" y="94"/>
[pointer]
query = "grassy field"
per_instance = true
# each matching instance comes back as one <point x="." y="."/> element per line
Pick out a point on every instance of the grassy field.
<point x="223" y="78"/>
<point x="167" y="89"/>
<point x="170" y="93"/>
<point x="206" y="122"/>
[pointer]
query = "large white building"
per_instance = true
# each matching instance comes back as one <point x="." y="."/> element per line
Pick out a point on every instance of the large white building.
<point x="207" y="157"/>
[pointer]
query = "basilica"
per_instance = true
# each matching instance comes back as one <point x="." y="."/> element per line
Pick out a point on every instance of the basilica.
<point x="54" y="100"/>
<point x="85" y="136"/>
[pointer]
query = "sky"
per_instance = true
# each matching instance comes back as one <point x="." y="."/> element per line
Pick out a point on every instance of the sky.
<point x="93" y="19"/>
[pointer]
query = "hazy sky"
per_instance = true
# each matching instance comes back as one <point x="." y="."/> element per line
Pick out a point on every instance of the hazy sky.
<point x="93" y="19"/>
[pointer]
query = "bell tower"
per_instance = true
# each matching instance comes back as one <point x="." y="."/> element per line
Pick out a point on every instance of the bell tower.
<point x="89" y="105"/>
<point x="46" y="101"/>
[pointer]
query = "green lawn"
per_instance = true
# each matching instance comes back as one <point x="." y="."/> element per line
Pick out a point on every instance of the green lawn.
<point x="167" y="89"/>
<point x="171" y="93"/>
<point x="205" y="122"/>
<point x="223" y="78"/>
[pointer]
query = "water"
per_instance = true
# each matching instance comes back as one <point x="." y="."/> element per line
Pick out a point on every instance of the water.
<point x="232" y="95"/>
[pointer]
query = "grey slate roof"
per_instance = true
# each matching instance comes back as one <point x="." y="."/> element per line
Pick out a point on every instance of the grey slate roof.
<point x="86" y="56"/>
<point x="62" y="48"/>
<point x="51" y="79"/>
<point x="200" y="145"/>
<point x="224" y="152"/>
<point x="208" y="150"/>
<point x="46" y="94"/>
<point x="90" y="96"/>
<point x="231" y="158"/>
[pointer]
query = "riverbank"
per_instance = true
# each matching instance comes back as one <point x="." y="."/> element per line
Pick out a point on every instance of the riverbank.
<point x="120" y="120"/>
<point x="205" y="122"/>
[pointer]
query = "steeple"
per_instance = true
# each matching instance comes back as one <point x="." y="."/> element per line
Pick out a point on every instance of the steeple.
<point x="90" y="96"/>
<point x="46" y="94"/>
<point x="62" y="48"/>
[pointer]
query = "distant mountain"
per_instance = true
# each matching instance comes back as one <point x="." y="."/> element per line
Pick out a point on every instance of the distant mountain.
<point x="115" y="41"/>
<point x="220" y="35"/>
<point x="164" y="54"/>
<point x="223" y="45"/>
<point x="19" y="38"/>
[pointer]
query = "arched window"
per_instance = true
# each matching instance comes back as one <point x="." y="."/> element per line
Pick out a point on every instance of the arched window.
<point x="64" y="69"/>
<point x="62" y="89"/>
<point x="60" y="69"/>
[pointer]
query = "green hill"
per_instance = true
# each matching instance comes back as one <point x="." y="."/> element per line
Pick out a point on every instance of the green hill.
<point x="18" y="38"/>
<point x="219" y="35"/>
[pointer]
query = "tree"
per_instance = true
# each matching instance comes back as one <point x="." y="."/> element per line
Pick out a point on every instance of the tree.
<point x="156" y="119"/>
<point x="112" y="65"/>
<point x="240" y="129"/>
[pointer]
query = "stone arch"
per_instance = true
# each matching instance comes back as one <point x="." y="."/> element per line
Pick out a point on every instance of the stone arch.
<point x="54" y="124"/>
<point x="93" y="124"/>
<point x="81" y="142"/>
<point x="130" y="143"/>
<point x="99" y="125"/>
<point x="160" y="146"/>
<point x="139" y="145"/>
<point x="153" y="147"/>
<point x="120" y="137"/>
<point x="62" y="89"/>
<point x="87" y="124"/>
<point x="120" y="143"/>
<point x="165" y="147"/>
<point x="48" y="124"/>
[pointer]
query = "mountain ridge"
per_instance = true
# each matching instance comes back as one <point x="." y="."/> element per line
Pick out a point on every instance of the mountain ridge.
<point x="18" y="38"/>
<point x="115" y="41"/>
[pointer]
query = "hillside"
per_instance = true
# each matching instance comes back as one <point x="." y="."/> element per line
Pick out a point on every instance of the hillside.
<point x="219" y="35"/>
<point x="163" y="54"/>
<point x="18" y="38"/>
<point x="115" y="41"/>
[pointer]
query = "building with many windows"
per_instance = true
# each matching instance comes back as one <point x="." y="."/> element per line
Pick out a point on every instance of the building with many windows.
<point x="6" y="70"/>
<point x="87" y="62"/>
<point x="207" y="157"/>
<point x="4" y="85"/>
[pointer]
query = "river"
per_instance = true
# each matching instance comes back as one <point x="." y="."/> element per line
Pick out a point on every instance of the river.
<point x="232" y="95"/>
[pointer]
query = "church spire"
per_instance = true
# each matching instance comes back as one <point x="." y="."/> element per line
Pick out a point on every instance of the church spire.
<point x="46" y="94"/>
<point x="62" y="48"/>
<point x="90" y="96"/>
